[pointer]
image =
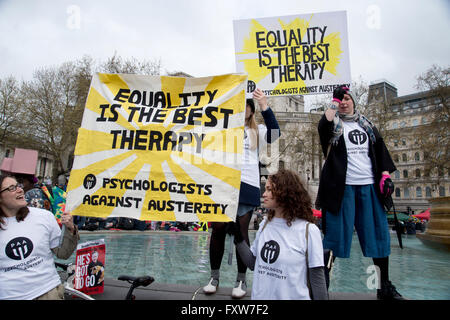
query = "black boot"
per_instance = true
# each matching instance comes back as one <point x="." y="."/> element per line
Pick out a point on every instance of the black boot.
<point x="388" y="292"/>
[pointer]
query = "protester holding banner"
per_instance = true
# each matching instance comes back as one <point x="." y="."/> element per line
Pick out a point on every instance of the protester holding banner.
<point x="287" y="254"/>
<point x="352" y="185"/>
<point x="28" y="239"/>
<point x="249" y="197"/>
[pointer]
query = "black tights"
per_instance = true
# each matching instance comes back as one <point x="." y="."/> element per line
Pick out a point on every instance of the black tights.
<point x="217" y="242"/>
<point x="382" y="263"/>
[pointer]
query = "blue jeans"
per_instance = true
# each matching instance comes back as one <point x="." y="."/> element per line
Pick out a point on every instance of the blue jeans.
<point x="362" y="210"/>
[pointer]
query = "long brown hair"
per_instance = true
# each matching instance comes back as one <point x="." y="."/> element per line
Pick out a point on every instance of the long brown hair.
<point x="23" y="212"/>
<point x="291" y="196"/>
<point x="253" y="126"/>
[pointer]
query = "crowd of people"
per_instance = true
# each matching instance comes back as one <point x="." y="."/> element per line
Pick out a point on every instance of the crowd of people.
<point x="288" y="252"/>
<point x="93" y="224"/>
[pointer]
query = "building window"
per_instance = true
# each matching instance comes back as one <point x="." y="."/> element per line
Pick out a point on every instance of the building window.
<point x="43" y="167"/>
<point x="396" y="143"/>
<point x="428" y="192"/>
<point x="394" y="125"/>
<point x="404" y="157"/>
<point x="415" y="122"/>
<point x="441" y="191"/>
<point x="403" y="142"/>
<point x="418" y="192"/>
<point x="7" y="153"/>
<point x="417" y="173"/>
<point x="406" y="192"/>
<point x="405" y="173"/>
<point x="396" y="158"/>
<point x="417" y="156"/>
<point x="397" y="174"/>
<point x="397" y="192"/>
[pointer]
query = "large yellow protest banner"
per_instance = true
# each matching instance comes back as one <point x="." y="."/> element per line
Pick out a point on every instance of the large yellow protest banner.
<point x="293" y="55"/>
<point x="160" y="148"/>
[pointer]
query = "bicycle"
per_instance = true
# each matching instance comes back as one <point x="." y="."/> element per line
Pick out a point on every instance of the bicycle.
<point x="68" y="274"/>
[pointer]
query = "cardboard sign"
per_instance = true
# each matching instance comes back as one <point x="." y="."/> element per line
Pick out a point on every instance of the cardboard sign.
<point x="160" y="148"/>
<point x="293" y="55"/>
<point x="24" y="162"/>
<point x="90" y="267"/>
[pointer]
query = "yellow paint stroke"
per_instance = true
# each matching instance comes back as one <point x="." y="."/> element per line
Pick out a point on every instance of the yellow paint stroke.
<point x="157" y="175"/>
<point x="227" y="83"/>
<point x="183" y="176"/>
<point x="229" y="140"/>
<point x="251" y="66"/>
<point x="228" y="175"/>
<point x="77" y="175"/>
<point x="114" y="82"/>
<point x="85" y="145"/>
<point x="95" y="99"/>
<point x="334" y="50"/>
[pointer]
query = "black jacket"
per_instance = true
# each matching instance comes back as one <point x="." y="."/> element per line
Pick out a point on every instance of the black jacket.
<point x="332" y="180"/>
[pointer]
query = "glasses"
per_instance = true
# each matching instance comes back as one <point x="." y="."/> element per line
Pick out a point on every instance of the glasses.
<point x="13" y="188"/>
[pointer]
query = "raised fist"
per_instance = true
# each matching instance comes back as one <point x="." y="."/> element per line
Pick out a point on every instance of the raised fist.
<point x="338" y="93"/>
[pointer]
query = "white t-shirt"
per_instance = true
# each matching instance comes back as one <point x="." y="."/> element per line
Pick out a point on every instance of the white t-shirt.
<point x="280" y="267"/>
<point x="359" y="166"/>
<point x="27" y="267"/>
<point x="250" y="168"/>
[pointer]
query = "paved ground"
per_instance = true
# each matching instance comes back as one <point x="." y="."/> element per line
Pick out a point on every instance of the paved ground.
<point x="117" y="290"/>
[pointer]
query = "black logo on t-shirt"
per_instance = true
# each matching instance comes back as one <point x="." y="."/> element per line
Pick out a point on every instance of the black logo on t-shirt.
<point x="270" y="251"/>
<point x="19" y="248"/>
<point x="357" y="137"/>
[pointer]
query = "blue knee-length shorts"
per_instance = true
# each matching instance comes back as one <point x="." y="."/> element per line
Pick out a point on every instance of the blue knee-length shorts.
<point x="362" y="210"/>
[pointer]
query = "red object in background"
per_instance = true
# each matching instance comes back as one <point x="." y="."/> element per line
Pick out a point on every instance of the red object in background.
<point x="423" y="215"/>
<point x="317" y="213"/>
<point x="90" y="270"/>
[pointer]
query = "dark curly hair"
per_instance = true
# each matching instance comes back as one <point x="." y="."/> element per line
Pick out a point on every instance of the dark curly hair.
<point x="291" y="196"/>
<point x="23" y="212"/>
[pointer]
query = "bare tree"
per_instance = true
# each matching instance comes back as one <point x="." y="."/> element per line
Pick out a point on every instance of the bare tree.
<point x="10" y="109"/>
<point x="52" y="105"/>
<point x="54" y="100"/>
<point x="433" y="137"/>
<point x="117" y="64"/>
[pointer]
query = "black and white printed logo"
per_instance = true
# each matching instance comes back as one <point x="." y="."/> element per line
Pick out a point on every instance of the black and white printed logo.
<point x="357" y="137"/>
<point x="19" y="248"/>
<point x="270" y="251"/>
<point x="251" y="86"/>
<point x="89" y="181"/>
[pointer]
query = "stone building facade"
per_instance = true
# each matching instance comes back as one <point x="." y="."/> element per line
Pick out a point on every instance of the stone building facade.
<point x="414" y="183"/>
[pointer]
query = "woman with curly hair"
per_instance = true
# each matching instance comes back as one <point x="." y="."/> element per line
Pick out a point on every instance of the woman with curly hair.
<point x="287" y="252"/>
<point x="255" y="138"/>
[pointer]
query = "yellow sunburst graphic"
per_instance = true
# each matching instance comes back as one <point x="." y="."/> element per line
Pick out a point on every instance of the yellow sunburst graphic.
<point x="159" y="148"/>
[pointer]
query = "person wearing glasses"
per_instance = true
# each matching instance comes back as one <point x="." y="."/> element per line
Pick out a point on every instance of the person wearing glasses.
<point x="29" y="237"/>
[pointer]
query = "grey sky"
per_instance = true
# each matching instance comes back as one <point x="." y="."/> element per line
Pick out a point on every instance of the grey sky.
<point x="394" y="40"/>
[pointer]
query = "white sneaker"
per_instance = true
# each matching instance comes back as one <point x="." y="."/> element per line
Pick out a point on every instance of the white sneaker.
<point x="211" y="287"/>
<point x="239" y="290"/>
